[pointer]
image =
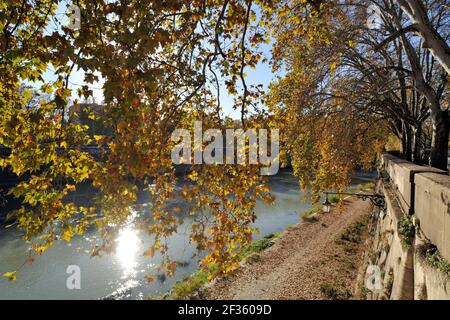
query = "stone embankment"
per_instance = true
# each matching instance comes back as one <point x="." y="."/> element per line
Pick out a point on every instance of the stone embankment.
<point x="410" y="247"/>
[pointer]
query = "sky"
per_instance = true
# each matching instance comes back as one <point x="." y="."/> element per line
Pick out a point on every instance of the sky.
<point x="261" y="75"/>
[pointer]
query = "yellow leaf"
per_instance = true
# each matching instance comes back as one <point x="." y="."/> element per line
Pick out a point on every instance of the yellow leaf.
<point x="10" y="275"/>
<point x="352" y="43"/>
<point x="67" y="235"/>
<point x="171" y="268"/>
<point x="99" y="139"/>
<point x="333" y="66"/>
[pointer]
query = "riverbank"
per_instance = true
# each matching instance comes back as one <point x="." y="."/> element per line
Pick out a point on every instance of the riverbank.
<point x="319" y="259"/>
<point x="123" y="272"/>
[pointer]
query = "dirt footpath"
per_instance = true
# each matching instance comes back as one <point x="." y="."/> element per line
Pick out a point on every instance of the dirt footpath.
<point x="311" y="260"/>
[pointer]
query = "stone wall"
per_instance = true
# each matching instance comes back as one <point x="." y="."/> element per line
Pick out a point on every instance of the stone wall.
<point x="422" y="196"/>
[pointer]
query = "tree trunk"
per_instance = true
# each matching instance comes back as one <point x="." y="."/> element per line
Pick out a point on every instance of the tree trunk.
<point x="403" y="143"/>
<point x="439" y="144"/>
<point x="417" y="144"/>
<point x="432" y="39"/>
<point x="407" y="149"/>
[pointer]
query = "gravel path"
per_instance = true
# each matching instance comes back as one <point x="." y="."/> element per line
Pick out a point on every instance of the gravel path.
<point x="300" y="262"/>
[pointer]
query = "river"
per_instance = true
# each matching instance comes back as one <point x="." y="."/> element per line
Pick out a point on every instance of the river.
<point x="121" y="275"/>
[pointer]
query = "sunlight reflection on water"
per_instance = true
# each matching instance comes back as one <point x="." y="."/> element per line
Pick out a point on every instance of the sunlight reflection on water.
<point x="128" y="244"/>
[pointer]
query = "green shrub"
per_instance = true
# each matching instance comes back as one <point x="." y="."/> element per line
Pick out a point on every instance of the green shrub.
<point x="307" y="213"/>
<point x="365" y="186"/>
<point x="353" y="232"/>
<point x="331" y="292"/>
<point x="334" y="198"/>
<point x="437" y="261"/>
<point x="407" y="230"/>
<point x="259" y="245"/>
<point x="190" y="284"/>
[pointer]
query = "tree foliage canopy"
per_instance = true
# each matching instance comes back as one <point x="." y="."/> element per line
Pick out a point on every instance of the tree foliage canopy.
<point x="342" y="90"/>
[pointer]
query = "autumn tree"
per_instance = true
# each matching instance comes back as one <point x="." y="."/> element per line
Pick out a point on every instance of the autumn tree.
<point x="159" y="61"/>
<point x="429" y="80"/>
<point x="343" y="90"/>
<point x="328" y="131"/>
<point x="349" y="88"/>
<point x="412" y="83"/>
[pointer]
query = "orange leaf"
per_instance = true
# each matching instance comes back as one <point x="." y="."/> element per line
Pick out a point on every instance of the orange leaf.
<point x="150" y="278"/>
<point x="149" y="252"/>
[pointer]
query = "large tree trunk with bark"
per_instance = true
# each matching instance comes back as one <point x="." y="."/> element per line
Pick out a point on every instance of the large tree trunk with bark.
<point x="439" y="145"/>
<point x="424" y="28"/>
<point x="407" y="143"/>
<point x="417" y="144"/>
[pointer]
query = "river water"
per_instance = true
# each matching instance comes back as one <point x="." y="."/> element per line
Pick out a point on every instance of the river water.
<point x="121" y="275"/>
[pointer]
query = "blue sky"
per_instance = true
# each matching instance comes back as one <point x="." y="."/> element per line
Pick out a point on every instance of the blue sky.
<point x="261" y="75"/>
